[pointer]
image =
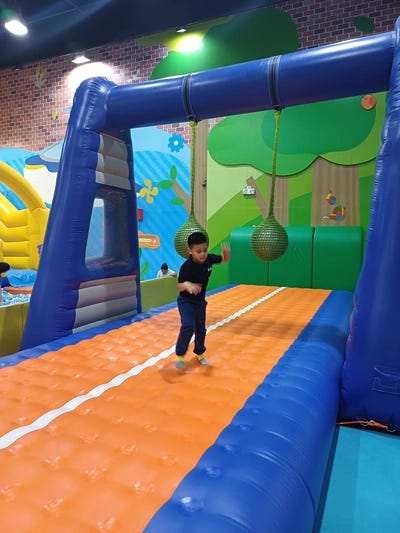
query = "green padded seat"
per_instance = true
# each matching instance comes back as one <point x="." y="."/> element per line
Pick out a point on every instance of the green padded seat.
<point x="294" y="268"/>
<point x="244" y="266"/>
<point x="337" y="257"/>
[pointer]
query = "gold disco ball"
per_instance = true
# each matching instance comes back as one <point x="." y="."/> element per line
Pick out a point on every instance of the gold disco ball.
<point x="269" y="240"/>
<point x="181" y="236"/>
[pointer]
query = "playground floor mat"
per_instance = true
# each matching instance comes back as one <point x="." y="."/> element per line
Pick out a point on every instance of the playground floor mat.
<point x="362" y="493"/>
<point x="96" y="436"/>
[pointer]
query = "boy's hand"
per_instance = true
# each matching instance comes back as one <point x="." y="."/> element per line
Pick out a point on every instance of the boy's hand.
<point x="192" y="288"/>
<point x="225" y="252"/>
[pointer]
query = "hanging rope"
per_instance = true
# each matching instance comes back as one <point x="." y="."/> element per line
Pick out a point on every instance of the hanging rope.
<point x="193" y="125"/>
<point x="191" y="225"/>
<point x="277" y="115"/>
<point x="269" y="240"/>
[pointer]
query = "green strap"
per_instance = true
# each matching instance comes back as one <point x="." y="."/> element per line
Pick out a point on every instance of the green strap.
<point x="193" y="125"/>
<point x="277" y="114"/>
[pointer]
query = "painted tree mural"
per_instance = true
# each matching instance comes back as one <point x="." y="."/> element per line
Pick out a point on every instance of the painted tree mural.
<point x="331" y="137"/>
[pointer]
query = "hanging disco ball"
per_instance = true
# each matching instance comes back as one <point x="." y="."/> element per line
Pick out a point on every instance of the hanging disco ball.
<point x="269" y="240"/>
<point x="181" y="236"/>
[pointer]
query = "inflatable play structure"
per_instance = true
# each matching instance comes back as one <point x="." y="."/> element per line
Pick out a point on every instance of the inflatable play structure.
<point x="21" y="230"/>
<point x="265" y="471"/>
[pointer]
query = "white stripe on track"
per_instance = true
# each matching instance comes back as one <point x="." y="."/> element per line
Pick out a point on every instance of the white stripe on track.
<point x="11" y="436"/>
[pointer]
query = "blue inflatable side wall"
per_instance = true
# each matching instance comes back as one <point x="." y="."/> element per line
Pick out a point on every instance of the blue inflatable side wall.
<point x="371" y="375"/>
<point x="73" y="291"/>
<point x="265" y="471"/>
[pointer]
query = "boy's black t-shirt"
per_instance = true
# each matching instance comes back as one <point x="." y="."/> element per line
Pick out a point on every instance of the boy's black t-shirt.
<point x="197" y="273"/>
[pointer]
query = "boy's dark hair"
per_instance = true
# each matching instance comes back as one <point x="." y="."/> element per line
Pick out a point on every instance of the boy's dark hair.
<point x="164" y="266"/>
<point x="4" y="267"/>
<point x="197" y="237"/>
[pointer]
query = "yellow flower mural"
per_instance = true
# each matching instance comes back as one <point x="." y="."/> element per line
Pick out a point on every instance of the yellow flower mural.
<point x="148" y="191"/>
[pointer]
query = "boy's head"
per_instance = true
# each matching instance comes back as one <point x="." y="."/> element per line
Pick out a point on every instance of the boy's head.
<point x="197" y="237"/>
<point x="164" y="268"/>
<point x="198" y="247"/>
<point x="4" y="268"/>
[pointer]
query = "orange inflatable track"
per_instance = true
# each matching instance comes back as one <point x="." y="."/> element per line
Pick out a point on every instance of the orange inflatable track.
<point x="96" y="436"/>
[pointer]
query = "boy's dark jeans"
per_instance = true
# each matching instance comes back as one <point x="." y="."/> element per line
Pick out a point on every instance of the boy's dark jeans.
<point x="193" y="320"/>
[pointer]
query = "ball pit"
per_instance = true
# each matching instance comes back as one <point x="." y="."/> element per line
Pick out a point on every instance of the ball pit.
<point x="11" y="299"/>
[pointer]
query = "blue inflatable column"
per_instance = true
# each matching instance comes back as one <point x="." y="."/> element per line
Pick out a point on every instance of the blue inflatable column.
<point x="371" y="375"/>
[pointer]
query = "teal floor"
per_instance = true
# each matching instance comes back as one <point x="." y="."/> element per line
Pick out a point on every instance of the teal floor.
<point x="362" y="494"/>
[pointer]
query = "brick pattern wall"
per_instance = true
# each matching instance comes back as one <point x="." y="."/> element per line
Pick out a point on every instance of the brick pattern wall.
<point x="331" y="21"/>
<point x="35" y="101"/>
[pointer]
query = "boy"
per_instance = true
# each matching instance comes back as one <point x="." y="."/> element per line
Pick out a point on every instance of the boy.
<point x="192" y="285"/>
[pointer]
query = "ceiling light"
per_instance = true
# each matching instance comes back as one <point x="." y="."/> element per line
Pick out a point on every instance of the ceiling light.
<point x="80" y="59"/>
<point x="181" y="30"/>
<point x="189" y="43"/>
<point x="16" y="27"/>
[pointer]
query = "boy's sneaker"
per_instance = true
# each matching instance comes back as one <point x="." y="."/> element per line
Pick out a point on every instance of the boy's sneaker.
<point x="202" y="360"/>
<point x="179" y="363"/>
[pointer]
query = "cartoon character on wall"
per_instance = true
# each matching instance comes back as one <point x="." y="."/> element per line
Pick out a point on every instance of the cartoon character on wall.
<point x="330" y="198"/>
<point x="338" y="212"/>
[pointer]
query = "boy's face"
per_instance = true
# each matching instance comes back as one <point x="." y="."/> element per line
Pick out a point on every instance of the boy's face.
<point x="199" y="252"/>
<point x="164" y="271"/>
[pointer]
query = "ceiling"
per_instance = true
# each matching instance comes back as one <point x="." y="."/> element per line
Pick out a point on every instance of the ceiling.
<point x="66" y="26"/>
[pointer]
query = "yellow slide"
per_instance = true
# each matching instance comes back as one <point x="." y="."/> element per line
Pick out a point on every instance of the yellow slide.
<point x="21" y="230"/>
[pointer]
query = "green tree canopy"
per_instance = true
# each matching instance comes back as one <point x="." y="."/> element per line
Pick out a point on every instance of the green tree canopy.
<point x="328" y="129"/>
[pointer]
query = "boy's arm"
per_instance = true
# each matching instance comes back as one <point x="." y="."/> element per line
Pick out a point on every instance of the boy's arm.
<point x="184" y="284"/>
<point x="190" y="287"/>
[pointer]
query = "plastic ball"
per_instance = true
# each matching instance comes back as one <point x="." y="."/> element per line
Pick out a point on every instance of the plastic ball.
<point x="269" y="240"/>
<point x="181" y="236"/>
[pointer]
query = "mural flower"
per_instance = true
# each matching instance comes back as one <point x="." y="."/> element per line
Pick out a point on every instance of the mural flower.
<point x="148" y="191"/>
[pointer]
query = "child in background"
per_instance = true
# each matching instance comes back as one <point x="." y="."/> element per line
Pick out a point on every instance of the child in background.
<point x="4" y="268"/>
<point x="165" y="271"/>
<point x="192" y="285"/>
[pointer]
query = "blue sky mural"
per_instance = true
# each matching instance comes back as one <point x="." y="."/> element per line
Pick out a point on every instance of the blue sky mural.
<point x="162" y="177"/>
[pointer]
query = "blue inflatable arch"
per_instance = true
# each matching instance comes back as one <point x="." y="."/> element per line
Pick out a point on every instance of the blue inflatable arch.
<point x="74" y="291"/>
